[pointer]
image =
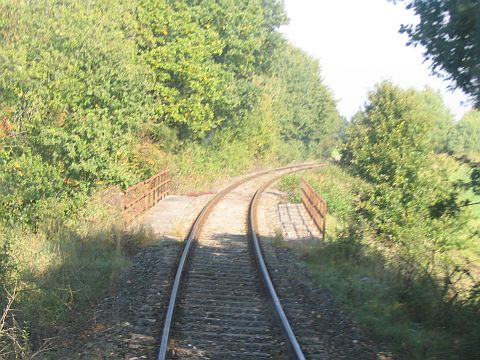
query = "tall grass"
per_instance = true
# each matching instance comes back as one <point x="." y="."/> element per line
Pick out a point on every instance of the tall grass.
<point x="63" y="265"/>
<point x="405" y="307"/>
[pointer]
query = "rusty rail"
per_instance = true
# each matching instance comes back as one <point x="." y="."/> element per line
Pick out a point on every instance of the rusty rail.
<point x="142" y="196"/>
<point x="316" y="206"/>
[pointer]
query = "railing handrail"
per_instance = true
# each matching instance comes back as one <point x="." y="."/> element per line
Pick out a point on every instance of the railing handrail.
<point x="315" y="205"/>
<point x="145" y="194"/>
<point x="133" y="187"/>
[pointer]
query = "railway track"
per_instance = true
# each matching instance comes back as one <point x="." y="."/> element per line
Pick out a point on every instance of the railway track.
<point x="223" y="304"/>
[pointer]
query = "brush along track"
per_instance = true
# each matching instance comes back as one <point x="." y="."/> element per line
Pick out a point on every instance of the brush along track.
<point x="222" y="310"/>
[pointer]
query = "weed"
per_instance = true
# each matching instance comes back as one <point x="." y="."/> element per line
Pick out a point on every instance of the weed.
<point x="13" y="339"/>
<point x="279" y="240"/>
<point x="406" y="309"/>
<point x="131" y="241"/>
<point x="179" y="230"/>
<point x="291" y="185"/>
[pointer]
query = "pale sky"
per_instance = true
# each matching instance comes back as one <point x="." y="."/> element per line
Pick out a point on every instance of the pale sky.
<point x="358" y="45"/>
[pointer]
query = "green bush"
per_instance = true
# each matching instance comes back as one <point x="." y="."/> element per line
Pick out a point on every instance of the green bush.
<point x="335" y="186"/>
<point x="291" y="184"/>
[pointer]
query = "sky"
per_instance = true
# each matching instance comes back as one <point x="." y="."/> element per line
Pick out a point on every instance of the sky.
<point x="358" y="45"/>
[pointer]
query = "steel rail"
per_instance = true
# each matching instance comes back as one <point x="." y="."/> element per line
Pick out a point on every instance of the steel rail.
<point x="287" y="330"/>
<point x="192" y="236"/>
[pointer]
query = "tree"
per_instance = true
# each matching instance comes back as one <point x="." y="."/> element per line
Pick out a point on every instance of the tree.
<point x="304" y="106"/>
<point x="465" y="136"/>
<point x="441" y="119"/>
<point x="388" y="145"/>
<point x="449" y="30"/>
<point x="204" y="55"/>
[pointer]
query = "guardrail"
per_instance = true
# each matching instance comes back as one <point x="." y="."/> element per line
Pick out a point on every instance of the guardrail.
<point x="316" y="206"/>
<point x="142" y="196"/>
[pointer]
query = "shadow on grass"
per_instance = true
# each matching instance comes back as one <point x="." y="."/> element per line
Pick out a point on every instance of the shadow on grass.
<point x="68" y="272"/>
<point x="417" y="314"/>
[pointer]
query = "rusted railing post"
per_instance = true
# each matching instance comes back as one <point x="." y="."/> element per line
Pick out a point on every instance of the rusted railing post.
<point x="316" y="207"/>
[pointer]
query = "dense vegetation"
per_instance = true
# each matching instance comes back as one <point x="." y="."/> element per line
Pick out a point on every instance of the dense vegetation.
<point x="96" y="95"/>
<point x="402" y="248"/>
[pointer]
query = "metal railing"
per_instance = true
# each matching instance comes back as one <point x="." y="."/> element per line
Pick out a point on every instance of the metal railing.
<point x="142" y="196"/>
<point x="316" y="206"/>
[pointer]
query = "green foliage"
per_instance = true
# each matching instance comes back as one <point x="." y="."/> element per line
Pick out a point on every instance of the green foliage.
<point x="335" y="186"/>
<point x="449" y="32"/>
<point x="465" y="137"/>
<point x="304" y="106"/>
<point x="25" y="180"/>
<point x="204" y="54"/>
<point x="74" y="96"/>
<point x="246" y="29"/>
<point x="441" y="119"/>
<point x="407" y="198"/>
<point x="463" y="175"/>
<point x="388" y="142"/>
<point x="179" y="51"/>
<point x="387" y="145"/>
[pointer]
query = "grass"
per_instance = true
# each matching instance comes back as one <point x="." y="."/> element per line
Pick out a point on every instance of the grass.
<point x="60" y="268"/>
<point x="402" y="312"/>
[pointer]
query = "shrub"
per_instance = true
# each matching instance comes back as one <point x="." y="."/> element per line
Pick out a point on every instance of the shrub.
<point x="291" y="184"/>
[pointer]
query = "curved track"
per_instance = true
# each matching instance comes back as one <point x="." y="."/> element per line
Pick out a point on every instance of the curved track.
<point x="218" y="308"/>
